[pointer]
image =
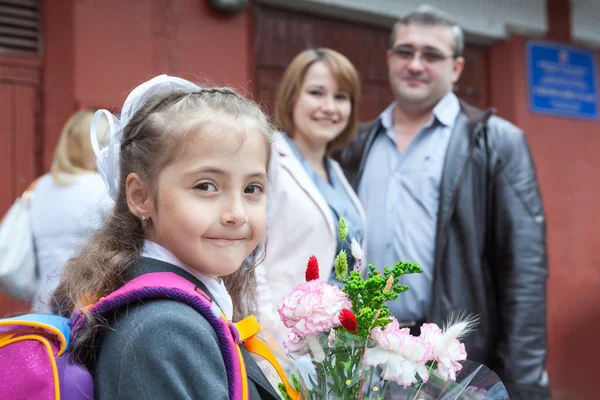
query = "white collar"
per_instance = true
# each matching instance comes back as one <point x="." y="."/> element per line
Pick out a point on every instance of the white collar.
<point x="387" y="117"/>
<point x="216" y="288"/>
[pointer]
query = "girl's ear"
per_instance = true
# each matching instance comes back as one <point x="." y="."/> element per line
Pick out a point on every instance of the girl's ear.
<point x="139" y="198"/>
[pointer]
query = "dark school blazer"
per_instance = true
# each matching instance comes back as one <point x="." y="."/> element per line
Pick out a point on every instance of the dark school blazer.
<point x="164" y="349"/>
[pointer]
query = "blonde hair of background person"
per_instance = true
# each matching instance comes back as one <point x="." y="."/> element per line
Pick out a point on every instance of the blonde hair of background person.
<point x="68" y="204"/>
<point x="316" y="109"/>
<point x="74" y="153"/>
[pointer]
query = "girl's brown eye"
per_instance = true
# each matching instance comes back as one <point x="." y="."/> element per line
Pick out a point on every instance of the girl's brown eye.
<point x="253" y="189"/>
<point x="206" y="187"/>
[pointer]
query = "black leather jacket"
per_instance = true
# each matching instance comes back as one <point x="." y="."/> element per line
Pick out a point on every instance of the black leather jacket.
<point x="490" y="257"/>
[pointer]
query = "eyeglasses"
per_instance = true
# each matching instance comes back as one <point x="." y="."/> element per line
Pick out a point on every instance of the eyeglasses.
<point x="429" y="56"/>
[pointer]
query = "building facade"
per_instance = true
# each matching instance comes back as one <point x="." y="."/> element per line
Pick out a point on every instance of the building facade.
<point x="57" y="56"/>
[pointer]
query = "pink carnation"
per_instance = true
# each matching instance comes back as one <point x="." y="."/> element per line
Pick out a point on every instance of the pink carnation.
<point x="313" y="307"/>
<point x="401" y="355"/>
<point x="447" y="353"/>
<point x="295" y="345"/>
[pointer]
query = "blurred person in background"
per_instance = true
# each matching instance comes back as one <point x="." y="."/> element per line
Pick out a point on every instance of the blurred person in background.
<point x="68" y="204"/>
<point x="454" y="189"/>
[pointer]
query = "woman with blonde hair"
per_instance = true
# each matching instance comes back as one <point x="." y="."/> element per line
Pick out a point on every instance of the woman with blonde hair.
<point x="67" y="205"/>
<point x="316" y="110"/>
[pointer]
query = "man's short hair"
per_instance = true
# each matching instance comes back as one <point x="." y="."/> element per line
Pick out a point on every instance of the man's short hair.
<point x="428" y="15"/>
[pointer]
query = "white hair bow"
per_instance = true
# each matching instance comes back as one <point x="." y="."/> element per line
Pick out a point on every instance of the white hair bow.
<point x="107" y="145"/>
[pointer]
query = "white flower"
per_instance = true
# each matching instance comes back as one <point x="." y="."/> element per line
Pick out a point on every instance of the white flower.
<point x="355" y="250"/>
<point x="315" y="348"/>
<point x="295" y="345"/>
<point x="313" y="307"/>
<point x="401" y="355"/>
<point x="445" y="349"/>
<point x="358" y="255"/>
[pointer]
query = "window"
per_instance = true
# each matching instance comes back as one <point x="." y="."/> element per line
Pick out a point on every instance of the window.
<point x="19" y="27"/>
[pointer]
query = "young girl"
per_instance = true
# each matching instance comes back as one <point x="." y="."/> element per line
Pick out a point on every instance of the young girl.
<point x="190" y="187"/>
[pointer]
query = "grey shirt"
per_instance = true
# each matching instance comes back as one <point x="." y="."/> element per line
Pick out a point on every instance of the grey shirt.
<point x="400" y="193"/>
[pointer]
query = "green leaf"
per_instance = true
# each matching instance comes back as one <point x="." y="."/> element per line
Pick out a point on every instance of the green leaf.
<point x="283" y="391"/>
<point x="295" y="382"/>
<point x="342" y="230"/>
<point x="341" y="266"/>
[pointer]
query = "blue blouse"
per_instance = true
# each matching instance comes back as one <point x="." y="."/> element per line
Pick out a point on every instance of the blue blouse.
<point x="339" y="202"/>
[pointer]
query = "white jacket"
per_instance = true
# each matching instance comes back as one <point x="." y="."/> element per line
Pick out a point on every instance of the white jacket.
<point x="300" y="225"/>
<point x="62" y="217"/>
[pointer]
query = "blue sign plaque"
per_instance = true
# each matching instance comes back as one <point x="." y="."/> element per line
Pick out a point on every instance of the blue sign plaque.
<point x="562" y="80"/>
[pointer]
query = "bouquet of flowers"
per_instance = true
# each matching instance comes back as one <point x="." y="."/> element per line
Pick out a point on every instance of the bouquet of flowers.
<point x="354" y="346"/>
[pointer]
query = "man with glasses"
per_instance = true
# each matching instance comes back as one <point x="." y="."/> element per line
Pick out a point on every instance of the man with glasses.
<point x="454" y="189"/>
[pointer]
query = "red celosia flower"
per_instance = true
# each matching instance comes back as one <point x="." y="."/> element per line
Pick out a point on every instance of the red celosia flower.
<point x="348" y="320"/>
<point x="312" y="269"/>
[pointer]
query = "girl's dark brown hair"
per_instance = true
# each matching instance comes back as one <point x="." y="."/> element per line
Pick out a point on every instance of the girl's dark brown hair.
<point x="152" y="139"/>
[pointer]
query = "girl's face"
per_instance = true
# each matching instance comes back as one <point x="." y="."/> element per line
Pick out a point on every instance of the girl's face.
<point x="210" y="210"/>
<point x="322" y="110"/>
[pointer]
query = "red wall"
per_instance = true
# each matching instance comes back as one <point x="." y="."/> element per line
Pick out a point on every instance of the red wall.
<point x="96" y="51"/>
<point x="19" y="105"/>
<point x="58" y="100"/>
<point x="566" y="156"/>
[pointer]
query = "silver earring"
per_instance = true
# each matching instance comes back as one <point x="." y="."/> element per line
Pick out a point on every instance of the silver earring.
<point x="144" y="222"/>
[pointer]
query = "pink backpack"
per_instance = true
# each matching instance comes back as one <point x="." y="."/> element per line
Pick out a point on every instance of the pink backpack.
<point x="34" y="358"/>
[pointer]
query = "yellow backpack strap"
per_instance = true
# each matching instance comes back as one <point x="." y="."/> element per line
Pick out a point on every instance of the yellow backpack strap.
<point x="245" y="390"/>
<point x="248" y="328"/>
